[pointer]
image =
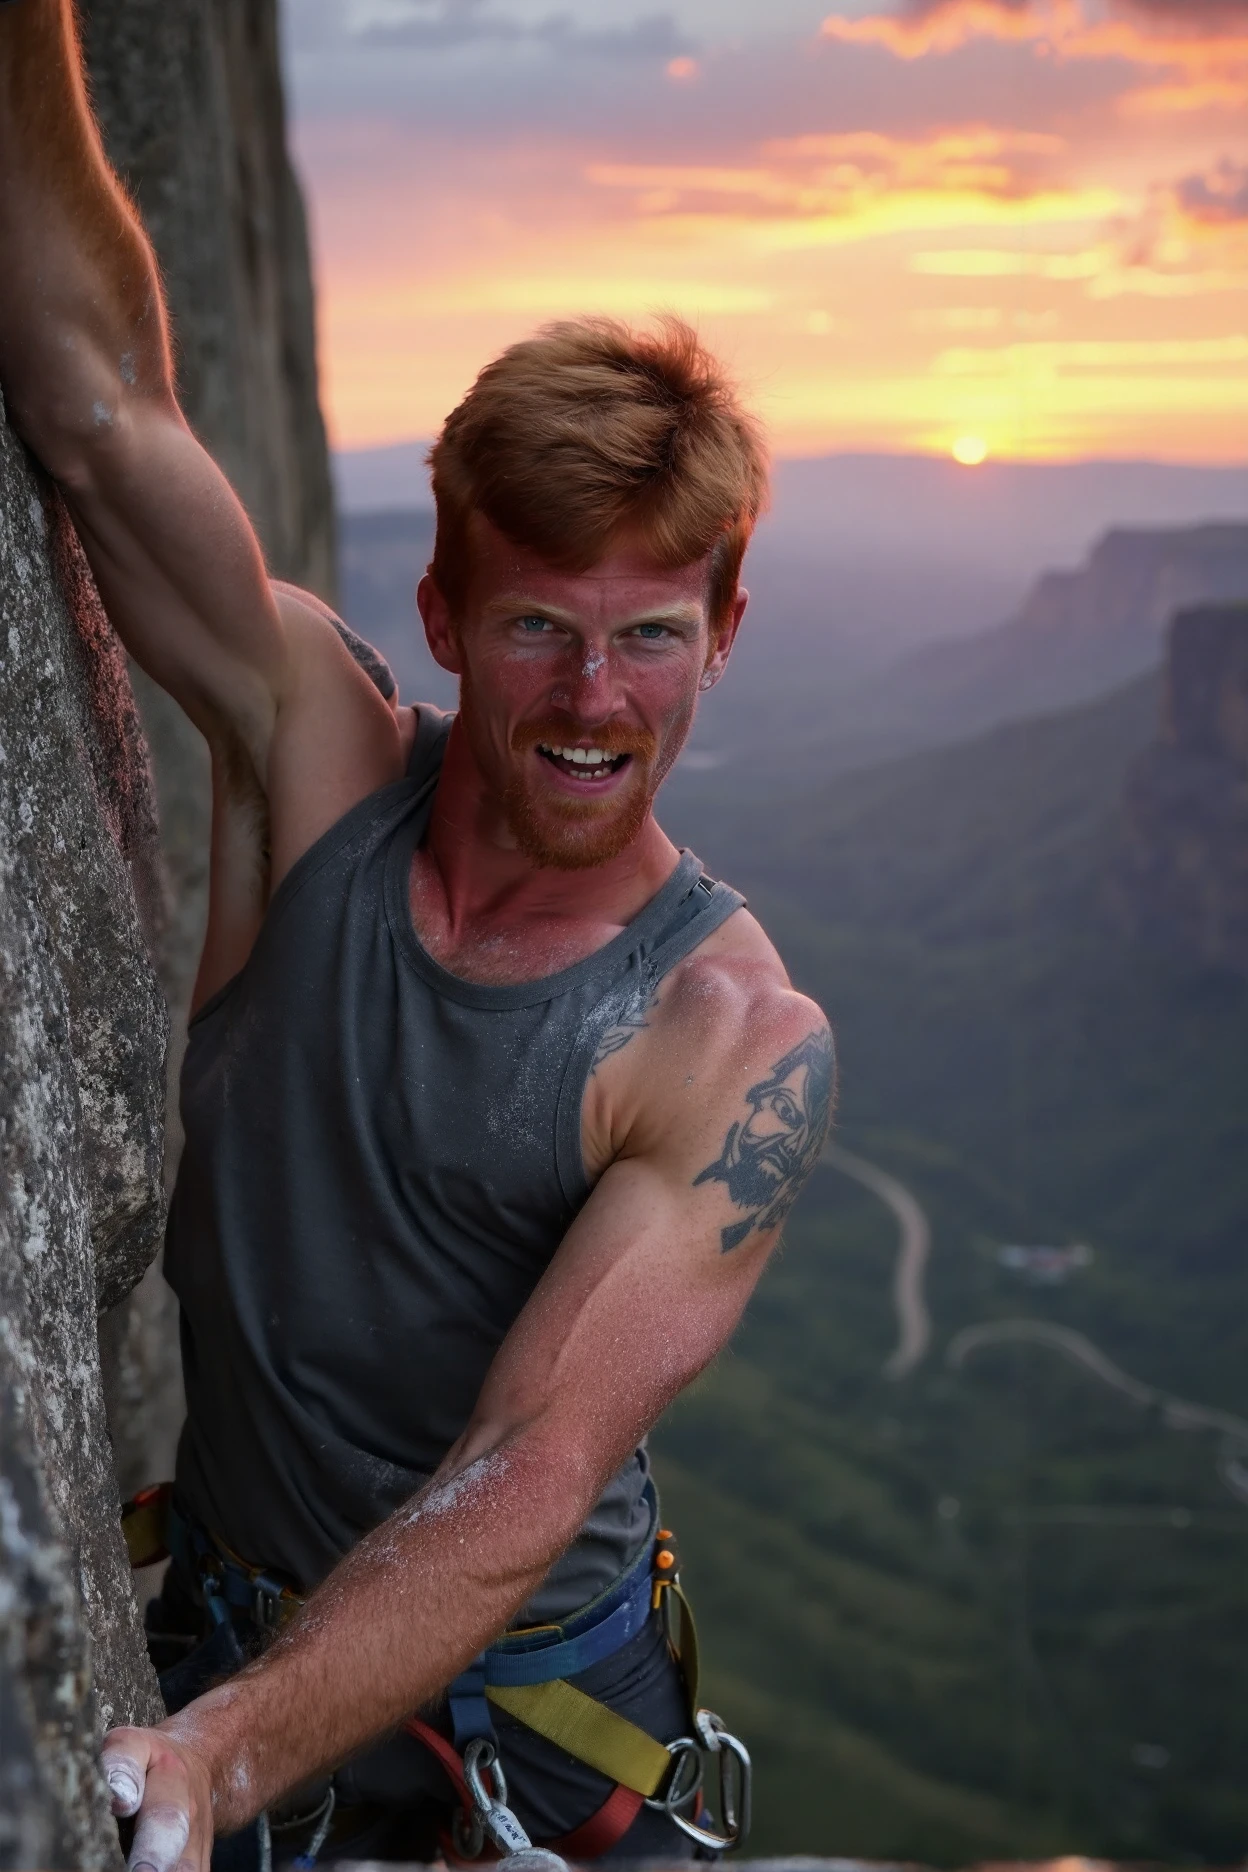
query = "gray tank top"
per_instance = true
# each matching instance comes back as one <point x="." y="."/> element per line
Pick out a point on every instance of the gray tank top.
<point x="380" y="1161"/>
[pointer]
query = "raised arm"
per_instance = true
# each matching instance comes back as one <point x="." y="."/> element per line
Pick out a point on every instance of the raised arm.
<point x="645" y="1290"/>
<point x="86" y="370"/>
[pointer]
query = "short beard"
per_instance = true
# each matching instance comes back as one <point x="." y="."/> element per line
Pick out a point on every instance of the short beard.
<point x="574" y="835"/>
<point x="565" y="834"/>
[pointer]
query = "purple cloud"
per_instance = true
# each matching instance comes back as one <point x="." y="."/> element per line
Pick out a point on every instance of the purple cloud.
<point x="1217" y="198"/>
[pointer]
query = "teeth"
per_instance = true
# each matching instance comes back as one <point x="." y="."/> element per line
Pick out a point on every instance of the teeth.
<point x="579" y="756"/>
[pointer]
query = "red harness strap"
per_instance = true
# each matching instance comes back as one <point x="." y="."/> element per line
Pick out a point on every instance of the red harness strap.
<point x="602" y="1830"/>
<point x="590" y="1840"/>
<point x="446" y="1753"/>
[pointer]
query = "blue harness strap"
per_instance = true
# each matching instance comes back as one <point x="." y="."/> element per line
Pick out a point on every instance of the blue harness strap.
<point x="470" y="1713"/>
<point x="517" y="1663"/>
<point x="549" y="1652"/>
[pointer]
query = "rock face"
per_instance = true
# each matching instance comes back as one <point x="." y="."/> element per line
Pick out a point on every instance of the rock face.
<point x="1078" y="635"/>
<point x="190" y="102"/>
<point x="1184" y="880"/>
<point x="82" y="1037"/>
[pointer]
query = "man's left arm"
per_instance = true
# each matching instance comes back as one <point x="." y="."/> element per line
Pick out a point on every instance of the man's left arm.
<point x="645" y="1289"/>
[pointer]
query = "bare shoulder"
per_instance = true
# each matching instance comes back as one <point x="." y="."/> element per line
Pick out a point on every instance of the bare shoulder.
<point x="732" y="1014"/>
<point x="729" y="1065"/>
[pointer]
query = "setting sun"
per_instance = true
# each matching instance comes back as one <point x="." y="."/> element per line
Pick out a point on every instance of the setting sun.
<point x="970" y="451"/>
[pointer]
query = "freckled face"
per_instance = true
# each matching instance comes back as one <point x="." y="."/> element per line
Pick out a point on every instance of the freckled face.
<point x="577" y="690"/>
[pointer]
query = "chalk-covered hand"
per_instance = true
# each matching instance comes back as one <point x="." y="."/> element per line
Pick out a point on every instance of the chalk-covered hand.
<point x="164" y="1785"/>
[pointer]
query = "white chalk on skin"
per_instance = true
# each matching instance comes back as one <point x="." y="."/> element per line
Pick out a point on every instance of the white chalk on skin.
<point x="125" y="1784"/>
<point x="159" y="1839"/>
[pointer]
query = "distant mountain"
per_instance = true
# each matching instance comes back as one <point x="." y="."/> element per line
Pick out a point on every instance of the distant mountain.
<point x="923" y="508"/>
<point x="1025" y="515"/>
<point x="378" y="480"/>
<point x="1078" y="634"/>
<point x="381" y="557"/>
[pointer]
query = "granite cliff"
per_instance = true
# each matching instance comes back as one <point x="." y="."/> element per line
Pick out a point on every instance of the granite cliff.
<point x="189" y="97"/>
<point x="82" y="1038"/>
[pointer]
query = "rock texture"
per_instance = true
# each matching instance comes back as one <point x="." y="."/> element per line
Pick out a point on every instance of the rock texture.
<point x="189" y="96"/>
<point x="1184" y="876"/>
<point x="1078" y="634"/>
<point x="190" y="101"/>
<point x="82" y="1037"/>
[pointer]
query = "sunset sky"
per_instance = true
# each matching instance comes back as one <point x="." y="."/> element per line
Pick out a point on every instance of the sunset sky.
<point x="908" y="224"/>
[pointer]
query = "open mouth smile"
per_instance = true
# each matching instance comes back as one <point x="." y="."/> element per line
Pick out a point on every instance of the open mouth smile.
<point x="583" y="764"/>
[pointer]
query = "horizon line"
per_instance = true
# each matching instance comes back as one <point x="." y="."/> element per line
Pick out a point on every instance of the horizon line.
<point x="1220" y="465"/>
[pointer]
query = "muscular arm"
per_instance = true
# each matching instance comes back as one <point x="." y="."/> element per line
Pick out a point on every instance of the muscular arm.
<point x="86" y="370"/>
<point x="644" y="1291"/>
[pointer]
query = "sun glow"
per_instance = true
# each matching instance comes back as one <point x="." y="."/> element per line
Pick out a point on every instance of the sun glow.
<point x="970" y="450"/>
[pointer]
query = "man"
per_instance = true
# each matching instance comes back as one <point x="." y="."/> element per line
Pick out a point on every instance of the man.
<point x="494" y="1103"/>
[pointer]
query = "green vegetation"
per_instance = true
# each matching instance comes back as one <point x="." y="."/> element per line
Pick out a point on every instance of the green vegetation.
<point x="999" y="1608"/>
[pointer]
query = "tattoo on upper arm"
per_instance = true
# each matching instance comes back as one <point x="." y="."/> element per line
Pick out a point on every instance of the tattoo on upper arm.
<point x="629" y="1020"/>
<point x="766" y="1159"/>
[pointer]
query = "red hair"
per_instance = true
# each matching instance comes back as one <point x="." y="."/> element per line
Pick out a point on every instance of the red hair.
<point x="589" y="432"/>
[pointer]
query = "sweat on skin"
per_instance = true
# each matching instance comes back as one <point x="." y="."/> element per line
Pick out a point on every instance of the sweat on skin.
<point x="531" y="862"/>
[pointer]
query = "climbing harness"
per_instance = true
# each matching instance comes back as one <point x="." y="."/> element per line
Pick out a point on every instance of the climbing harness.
<point x="525" y="1673"/>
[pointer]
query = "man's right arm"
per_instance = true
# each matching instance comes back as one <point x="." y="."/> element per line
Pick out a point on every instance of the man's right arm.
<point x="86" y="370"/>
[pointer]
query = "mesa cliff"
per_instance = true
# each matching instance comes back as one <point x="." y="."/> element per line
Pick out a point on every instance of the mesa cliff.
<point x="1183" y="882"/>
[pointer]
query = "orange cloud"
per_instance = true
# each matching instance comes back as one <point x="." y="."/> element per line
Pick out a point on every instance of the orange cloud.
<point x="864" y="182"/>
<point x="924" y="26"/>
<point x="1199" y="36"/>
<point x="1186" y="238"/>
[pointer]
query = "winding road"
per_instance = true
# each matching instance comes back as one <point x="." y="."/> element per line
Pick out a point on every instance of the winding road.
<point x="914" y="1325"/>
<point x="1175" y="1413"/>
<point x="914" y="1329"/>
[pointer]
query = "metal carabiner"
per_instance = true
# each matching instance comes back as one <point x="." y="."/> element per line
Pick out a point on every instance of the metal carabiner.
<point x="735" y="1773"/>
<point x="685" y="1780"/>
<point x="492" y="1817"/>
<point x="734" y="1783"/>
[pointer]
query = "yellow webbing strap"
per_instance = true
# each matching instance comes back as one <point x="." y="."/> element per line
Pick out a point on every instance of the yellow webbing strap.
<point x="589" y="1730"/>
<point x="686" y="1646"/>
